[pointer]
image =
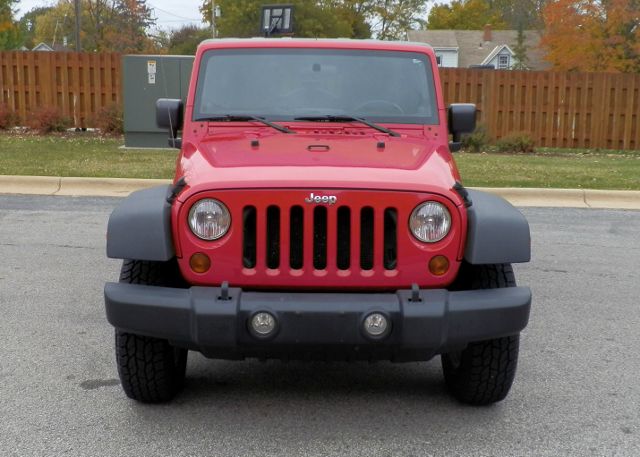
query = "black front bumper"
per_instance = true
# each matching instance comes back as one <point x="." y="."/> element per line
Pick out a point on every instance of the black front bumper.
<point x="317" y="325"/>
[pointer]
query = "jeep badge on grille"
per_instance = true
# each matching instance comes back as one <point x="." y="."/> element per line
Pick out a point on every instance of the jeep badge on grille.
<point x="329" y="199"/>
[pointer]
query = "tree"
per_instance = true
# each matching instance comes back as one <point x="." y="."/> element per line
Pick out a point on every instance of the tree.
<point x="106" y="25"/>
<point x="597" y="35"/>
<point x="475" y="14"/>
<point x="465" y="15"/>
<point x="354" y="12"/>
<point x="386" y="19"/>
<point x="525" y="14"/>
<point x="391" y="19"/>
<point x="185" y="40"/>
<point x="521" y="61"/>
<point x="313" y="19"/>
<point x="27" y="25"/>
<point x="9" y="31"/>
<point x="130" y="20"/>
<point x="55" y="25"/>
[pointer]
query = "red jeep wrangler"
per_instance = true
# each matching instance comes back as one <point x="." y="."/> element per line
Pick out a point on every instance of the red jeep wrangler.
<point x="316" y="213"/>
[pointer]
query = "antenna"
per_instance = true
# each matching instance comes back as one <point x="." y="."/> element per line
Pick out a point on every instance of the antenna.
<point x="55" y="29"/>
<point x="276" y="20"/>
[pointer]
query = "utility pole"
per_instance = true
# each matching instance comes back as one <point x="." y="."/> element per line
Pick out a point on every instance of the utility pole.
<point x="77" y="8"/>
<point x="213" y="18"/>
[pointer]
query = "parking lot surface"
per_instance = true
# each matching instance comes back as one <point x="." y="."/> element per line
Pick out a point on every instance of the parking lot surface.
<point x="577" y="390"/>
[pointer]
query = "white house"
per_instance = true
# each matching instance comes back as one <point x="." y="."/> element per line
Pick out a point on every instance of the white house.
<point x="42" y="47"/>
<point x="501" y="58"/>
<point x="473" y="48"/>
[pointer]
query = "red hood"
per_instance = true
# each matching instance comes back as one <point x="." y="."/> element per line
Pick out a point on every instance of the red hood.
<point x="348" y="160"/>
<point x="352" y="148"/>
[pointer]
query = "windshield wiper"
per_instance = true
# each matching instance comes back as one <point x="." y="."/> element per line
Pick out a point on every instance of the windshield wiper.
<point x="346" y="118"/>
<point x="244" y="117"/>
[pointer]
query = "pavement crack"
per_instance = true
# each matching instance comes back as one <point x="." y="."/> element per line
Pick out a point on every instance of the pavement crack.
<point x="584" y="198"/>
<point x="552" y="270"/>
<point x="59" y="186"/>
<point x="70" y="246"/>
<point x="91" y="384"/>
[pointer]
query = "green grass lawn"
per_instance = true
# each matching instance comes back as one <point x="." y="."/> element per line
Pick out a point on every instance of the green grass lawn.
<point x="570" y="169"/>
<point x="82" y="155"/>
<point x="91" y="156"/>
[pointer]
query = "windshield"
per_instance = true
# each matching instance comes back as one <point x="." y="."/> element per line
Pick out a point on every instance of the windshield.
<point x="283" y="84"/>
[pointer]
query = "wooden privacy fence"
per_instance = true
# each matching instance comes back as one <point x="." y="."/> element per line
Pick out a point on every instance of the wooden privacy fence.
<point x="572" y="110"/>
<point x="78" y="84"/>
<point x="590" y="110"/>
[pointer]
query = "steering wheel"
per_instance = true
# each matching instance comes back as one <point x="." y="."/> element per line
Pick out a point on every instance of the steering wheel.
<point x="378" y="103"/>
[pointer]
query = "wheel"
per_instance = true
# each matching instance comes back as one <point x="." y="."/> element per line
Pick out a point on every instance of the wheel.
<point x="150" y="369"/>
<point x="483" y="372"/>
<point x="163" y="274"/>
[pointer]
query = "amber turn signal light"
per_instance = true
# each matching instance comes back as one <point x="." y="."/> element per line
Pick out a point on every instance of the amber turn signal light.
<point x="200" y="262"/>
<point x="439" y="265"/>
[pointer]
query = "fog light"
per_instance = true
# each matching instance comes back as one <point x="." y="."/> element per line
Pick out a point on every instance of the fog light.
<point x="376" y="324"/>
<point x="439" y="265"/>
<point x="263" y="324"/>
<point x="199" y="262"/>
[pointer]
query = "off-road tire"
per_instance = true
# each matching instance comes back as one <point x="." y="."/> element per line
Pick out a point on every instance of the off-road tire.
<point x="163" y="274"/>
<point x="483" y="372"/>
<point x="150" y="369"/>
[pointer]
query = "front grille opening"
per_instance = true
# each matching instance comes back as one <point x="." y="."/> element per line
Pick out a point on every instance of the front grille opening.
<point x="249" y="237"/>
<point x="366" y="238"/>
<point x="390" y="239"/>
<point x="296" y="237"/>
<point x="343" y="254"/>
<point x="273" y="237"/>
<point x="320" y="238"/>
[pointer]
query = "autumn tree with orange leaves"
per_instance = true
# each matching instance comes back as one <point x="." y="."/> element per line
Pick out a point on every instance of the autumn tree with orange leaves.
<point x="593" y="35"/>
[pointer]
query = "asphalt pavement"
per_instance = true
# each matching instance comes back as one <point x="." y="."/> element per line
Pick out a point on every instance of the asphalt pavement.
<point x="577" y="390"/>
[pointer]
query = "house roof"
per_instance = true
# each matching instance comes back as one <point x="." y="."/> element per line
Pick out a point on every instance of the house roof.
<point x="473" y="50"/>
<point x="438" y="38"/>
<point x="42" y="47"/>
<point x="495" y="52"/>
<point x="46" y="47"/>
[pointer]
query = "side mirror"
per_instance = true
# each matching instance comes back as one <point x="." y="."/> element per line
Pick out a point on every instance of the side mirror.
<point x="461" y="118"/>
<point x="169" y="116"/>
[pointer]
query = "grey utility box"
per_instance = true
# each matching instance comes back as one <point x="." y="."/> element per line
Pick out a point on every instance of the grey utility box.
<point x="146" y="78"/>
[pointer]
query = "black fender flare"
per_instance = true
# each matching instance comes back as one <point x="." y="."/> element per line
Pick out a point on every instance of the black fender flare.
<point x="497" y="232"/>
<point x="140" y="226"/>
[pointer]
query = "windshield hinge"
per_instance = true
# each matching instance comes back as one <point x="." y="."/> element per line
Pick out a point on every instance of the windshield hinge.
<point x="464" y="194"/>
<point x="175" y="191"/>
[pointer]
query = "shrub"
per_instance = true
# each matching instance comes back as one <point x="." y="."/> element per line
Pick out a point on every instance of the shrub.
<point x="8" y="118"/>
<point x="478" y="140"/>
<point x="110" y="120"/>
<point x="516" y="142"/>
<point x="48" y="119"/>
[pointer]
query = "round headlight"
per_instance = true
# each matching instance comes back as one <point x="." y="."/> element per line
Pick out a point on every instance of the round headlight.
<point x="430" y="222"/>
<point x="209" y="219"/>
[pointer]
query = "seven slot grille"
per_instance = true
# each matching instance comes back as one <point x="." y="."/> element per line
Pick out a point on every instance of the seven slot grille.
<point x="336" y="237"/>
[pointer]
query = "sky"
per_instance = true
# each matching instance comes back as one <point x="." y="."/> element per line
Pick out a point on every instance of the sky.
<point x="169" y="13"/>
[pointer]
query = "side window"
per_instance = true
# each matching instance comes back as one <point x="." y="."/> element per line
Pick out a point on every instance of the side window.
<point x="503" y="62"/>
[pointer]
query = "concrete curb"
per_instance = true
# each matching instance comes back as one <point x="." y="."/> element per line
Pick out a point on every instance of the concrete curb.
<point x="85" y="187"/>
<point x="121" y="187"/>
<point x="569" y="198"/>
